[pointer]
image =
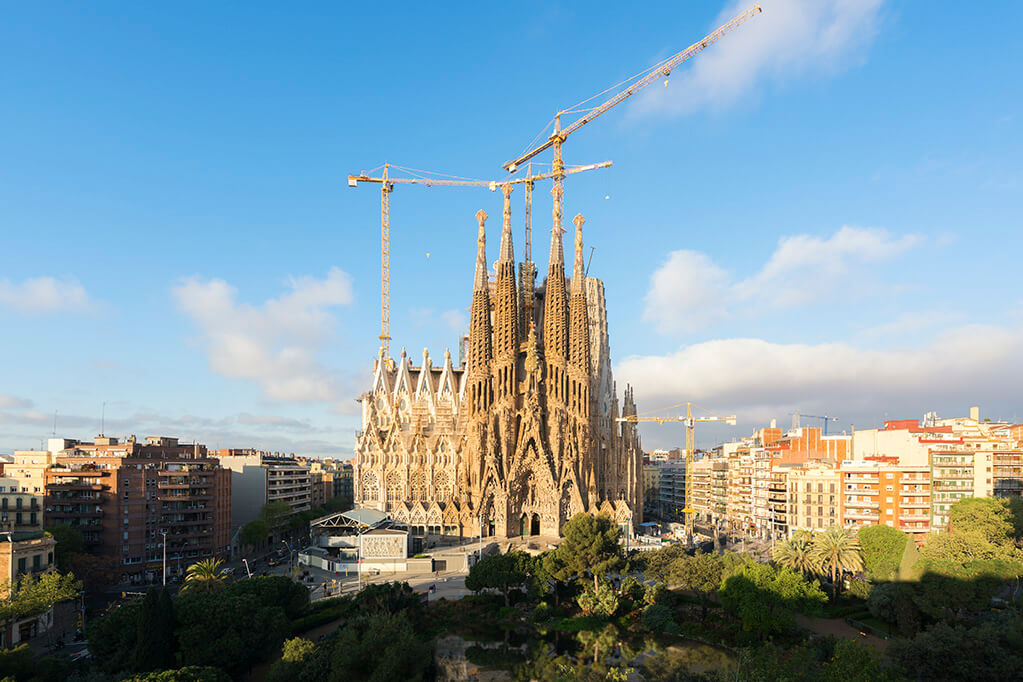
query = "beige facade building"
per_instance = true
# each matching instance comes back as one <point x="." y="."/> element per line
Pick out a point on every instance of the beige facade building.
<point x="24" y="553"/>
<point x="740" y="490"/>
<point x="523" y="435"/>
<point x="814" y="496"/>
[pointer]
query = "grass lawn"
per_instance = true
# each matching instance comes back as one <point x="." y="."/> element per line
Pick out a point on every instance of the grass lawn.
<point x="907" y="567"/>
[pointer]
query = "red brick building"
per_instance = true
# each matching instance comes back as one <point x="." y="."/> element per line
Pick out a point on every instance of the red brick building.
<point x="127" y="496"/>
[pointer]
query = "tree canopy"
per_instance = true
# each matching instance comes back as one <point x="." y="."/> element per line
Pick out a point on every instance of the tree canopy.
<point x="254" y="532"/>
<point x="276" y="513"/>
<point x="590" y="547"/>
<point x="70" y="541"/>
<point x="765" y="597"/>
<point x="700" y="574"/>
<point x="837" y="551"/>
<point x="502" y="572"/>
<point x="34" y="595"/>
<point x="204" y="576"/>
<point x="882" y="551"/>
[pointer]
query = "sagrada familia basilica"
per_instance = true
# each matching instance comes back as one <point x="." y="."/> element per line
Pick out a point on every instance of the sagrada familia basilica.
<point x="524" y="433"/>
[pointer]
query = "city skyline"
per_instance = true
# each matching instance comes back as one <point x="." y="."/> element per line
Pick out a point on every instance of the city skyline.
<point x="817" y="212"/>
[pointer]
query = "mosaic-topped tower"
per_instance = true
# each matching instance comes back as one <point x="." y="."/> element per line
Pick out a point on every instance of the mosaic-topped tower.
<point x="524" y="434"/>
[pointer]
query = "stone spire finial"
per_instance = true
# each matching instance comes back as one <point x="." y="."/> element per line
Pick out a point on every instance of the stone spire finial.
<point x="578" y="270"/>
<point x="480" y="281"/>
<point x="557" y="248"/>
<point x="507" y="252"/>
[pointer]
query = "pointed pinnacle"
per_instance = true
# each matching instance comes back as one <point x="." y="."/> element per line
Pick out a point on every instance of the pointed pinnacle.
<point x="480" y="280"/>
<point x="578" y="271"/>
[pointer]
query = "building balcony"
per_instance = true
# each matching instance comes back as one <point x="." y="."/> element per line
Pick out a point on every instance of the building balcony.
<point x="74" y="510"/>
<point x="954" y="487"/>
<point x="861" y="515"/>
<point x="75" y="486"/>
<point x="179" y="498"/>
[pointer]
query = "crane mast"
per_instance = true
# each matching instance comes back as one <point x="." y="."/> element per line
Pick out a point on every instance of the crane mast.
<point x="387" y="182"/>
<point x="689" y="423"/>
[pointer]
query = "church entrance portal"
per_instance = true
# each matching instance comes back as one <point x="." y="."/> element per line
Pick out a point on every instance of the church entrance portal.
<point x="534" y="527"/>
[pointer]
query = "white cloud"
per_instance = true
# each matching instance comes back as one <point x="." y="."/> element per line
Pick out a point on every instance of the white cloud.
<point x="44" y="295"/>
<point x="12" y="401"/>
<point x="275" y="344"/>
<point x="456" y="320"/>
<point x="689" y="291"/>
<point x="791" y="38"/>
<point x="973" y="364"/>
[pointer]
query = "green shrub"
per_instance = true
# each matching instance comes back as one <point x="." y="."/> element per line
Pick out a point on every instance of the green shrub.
<point x="860" y="589"/>
<point x="656" y="594"/>
<point x="542" y="612"/>
<point x="631" y="589"/>
<point x="657" y="617"/>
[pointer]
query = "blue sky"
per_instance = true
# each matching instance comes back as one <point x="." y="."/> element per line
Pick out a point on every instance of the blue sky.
<point x="820" y="212"/>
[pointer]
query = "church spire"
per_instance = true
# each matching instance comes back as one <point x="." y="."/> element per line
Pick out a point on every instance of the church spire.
<point x="480" y="338"/>
<point x="578" y="271"/>
<point x="507" y="251"/>
<point x="480" y="282"/>
<point x="579" y="334"/>
<point x="506" y="306"/>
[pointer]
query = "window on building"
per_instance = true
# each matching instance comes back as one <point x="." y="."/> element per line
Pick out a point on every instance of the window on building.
<point x="37" y="562"/>
<point x="22" y="565"/>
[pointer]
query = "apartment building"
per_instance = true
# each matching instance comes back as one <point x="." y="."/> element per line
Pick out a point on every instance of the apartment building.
<point x="701" y="488"/>
<point x="805" y="443"/>
<point x="1007" y="473"/>
<point x="739" y="505"/>
<point x="652" y="487"/>
<point x="24" y="553"/>
<point x="957" y="474"/>
<point x="671" y="498"/>
<point x="814" y="499"/>
<point x="344" y="481"/>
<point x="760" y="492"/>
<point x="20" y="511"/>
<point x="885" y="492"/>
<point x="22" y="488"/>
<point x="129" y="499"/>
<point x="261" y="477"/>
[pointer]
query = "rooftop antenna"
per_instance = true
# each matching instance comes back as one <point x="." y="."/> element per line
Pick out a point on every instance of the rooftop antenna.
<point x="55" y="423"/>
<point x="103" y="421"/>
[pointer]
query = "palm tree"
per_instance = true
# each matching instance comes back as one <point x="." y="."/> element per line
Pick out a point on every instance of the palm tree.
<point x="204" y="576"/>
<point x="796" y="553"/>
<point x="836" y="551"/>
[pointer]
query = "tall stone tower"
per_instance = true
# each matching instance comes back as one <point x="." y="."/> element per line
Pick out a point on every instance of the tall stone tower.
<point x="524" y="435"/>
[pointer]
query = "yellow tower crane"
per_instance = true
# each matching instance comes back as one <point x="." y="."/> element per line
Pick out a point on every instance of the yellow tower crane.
<point x="689" y="421"/>
<point x="429" y="179"/>
<point x="622" y="92"/>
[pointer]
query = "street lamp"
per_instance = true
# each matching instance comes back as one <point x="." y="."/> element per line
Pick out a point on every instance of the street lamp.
<point x="247" y="570"/>
<point x="164" y="534"/>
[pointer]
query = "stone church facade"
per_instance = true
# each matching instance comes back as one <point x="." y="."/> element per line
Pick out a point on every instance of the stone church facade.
<point x="523" y="434"/>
